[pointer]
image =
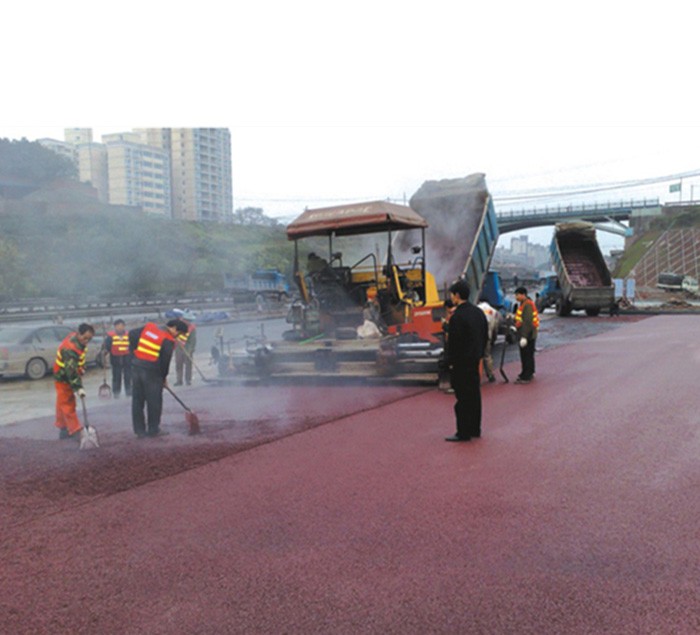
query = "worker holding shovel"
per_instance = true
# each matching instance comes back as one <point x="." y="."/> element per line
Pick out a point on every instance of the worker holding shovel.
<point x="152" y="349"/>
<point x="67" y="372"/>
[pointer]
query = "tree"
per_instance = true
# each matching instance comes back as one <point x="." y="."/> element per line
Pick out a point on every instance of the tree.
<point x="32" y="162"/>
<point x="253" y="216"/>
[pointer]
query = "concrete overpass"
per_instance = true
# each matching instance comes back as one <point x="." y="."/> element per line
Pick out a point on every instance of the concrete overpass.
<point x="611" y="212"/>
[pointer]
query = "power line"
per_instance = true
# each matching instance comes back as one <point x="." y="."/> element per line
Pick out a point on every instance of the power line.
<point x="534" y="194"/>
<point x="597" y="187"/>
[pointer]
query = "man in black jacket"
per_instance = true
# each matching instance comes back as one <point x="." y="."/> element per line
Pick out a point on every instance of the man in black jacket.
<point x="466" y="343"/>
<point x="152" y="349"/>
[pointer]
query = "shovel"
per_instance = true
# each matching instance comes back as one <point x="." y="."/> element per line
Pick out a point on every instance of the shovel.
<point x="190" y="417"/>
<point x="104" y="391"/>
<point x="89" y="439"/>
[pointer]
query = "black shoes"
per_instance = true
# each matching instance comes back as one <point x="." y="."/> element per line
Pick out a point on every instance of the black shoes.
<point x="454" y="437"/>
<point x="520" y="380"/>
<point x="158" y="433"/>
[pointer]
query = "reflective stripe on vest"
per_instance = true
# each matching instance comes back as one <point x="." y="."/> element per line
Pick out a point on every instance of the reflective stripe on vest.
<point x="183" y="337"/>
<point x="120" y="343"/>
<point x="535" y="314"/>
<point x="69" y="344"/>
<point x="150" y="342"/>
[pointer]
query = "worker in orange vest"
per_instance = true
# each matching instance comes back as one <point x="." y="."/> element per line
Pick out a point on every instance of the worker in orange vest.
<point x="67" y="372"/>
<point x="184" y="352"/>
<point x="152" y="349"/>
<point x="527" y="323"/>
<point x="117" y="345"/>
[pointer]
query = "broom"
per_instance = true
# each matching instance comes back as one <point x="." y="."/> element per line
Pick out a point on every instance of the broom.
<point x="190" y="417"/>
<point x="201" y="374"/>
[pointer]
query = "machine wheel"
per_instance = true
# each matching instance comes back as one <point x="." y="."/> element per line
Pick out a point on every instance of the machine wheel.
<point x="36" y="368"/>
<point x="563" y="308"/>
<point x="593" y="312"/>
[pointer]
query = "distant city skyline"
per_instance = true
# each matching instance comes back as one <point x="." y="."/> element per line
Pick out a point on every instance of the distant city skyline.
<point x="285" y="169"/>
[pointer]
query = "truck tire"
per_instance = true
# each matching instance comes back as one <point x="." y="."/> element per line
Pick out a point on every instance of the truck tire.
<point x="563" y="308"/>
<point x="593" y="312"/>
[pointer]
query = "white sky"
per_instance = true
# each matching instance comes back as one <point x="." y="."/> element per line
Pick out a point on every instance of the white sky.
<point x="331" y="102"/>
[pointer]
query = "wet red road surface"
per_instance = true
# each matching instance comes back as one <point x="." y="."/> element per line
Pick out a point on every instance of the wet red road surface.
<point x="576" y="513"/>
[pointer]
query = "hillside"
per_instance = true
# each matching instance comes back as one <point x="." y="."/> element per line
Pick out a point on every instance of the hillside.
<point x="102" y="251"/>
<point x="670" y="243"/>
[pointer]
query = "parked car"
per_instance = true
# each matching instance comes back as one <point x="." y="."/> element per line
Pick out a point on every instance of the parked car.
<point x="30" y="350"/>
<point x="185" y="314"/>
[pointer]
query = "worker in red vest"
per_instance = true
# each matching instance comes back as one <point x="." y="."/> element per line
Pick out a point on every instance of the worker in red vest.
<point x="152" y="349"/>
<point x="527" y="323"/>
<point x="67" y="372"/>
<point x="184" y="352"/>
<point x="117" y="345"/>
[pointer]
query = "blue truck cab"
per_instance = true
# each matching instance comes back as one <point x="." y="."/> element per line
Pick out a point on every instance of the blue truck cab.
<point x="549" y="292"/>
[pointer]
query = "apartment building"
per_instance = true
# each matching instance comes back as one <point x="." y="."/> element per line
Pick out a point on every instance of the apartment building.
<point x="138" y="174"/>
<point x="183" y="173"/>
<point x="200" y="171"/>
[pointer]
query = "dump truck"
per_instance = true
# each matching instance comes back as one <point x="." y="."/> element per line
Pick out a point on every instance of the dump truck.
<point x="261" y="284"/>
<point x="677" y="282"/>
<point x="584" y="278"/>
<point x="368" y="306"/>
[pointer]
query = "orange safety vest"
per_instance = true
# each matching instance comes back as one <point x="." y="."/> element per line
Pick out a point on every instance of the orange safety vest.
<point x="150" y="342"/>
<point x="183" y="337"/>
<point x="120" y="344"/>
<point x="70" y="345"/>
<point x="535" y="314"/>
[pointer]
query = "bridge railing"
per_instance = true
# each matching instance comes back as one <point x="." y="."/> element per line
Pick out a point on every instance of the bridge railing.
<point x="579" y="209"/>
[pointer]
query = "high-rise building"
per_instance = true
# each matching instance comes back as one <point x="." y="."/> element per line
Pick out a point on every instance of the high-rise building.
<point x="76" y="136"/>
<point x="183" y="173"/>
<point x="138" y="174"/>
<point x="92" y="168"/>
<point x="200" y="160"/>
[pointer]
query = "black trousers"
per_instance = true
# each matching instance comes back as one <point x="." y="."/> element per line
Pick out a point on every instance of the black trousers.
<point x="146" y="391"/>
<point x="527" y="360"/>
<point x="121" y="367"/>
<point x="466" y="383"/>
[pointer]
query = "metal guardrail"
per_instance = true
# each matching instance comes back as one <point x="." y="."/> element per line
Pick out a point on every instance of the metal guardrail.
<point x="67" y="309"/>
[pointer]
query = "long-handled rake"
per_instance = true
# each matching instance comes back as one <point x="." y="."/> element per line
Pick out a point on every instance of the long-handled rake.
<point x="104" y="391"/>
<point x="191" y="418"/>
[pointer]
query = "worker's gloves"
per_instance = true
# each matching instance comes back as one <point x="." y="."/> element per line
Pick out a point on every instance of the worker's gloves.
<point x="523" y="342"/>
<point x="81" y="393"/>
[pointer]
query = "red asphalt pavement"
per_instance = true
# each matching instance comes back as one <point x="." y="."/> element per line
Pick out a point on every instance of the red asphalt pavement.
<point x="577" y="512"/>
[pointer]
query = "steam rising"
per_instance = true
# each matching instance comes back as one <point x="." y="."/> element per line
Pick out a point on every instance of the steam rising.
<point x="453" y="209"/>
